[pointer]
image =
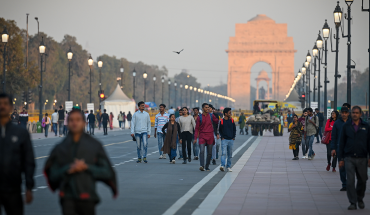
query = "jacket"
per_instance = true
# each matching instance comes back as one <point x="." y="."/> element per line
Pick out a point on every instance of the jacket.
<point x="23" y="116"/>
<point x="16" y="158"/>
<point x="354" y="144"/>
<point x="54" y="117"/>
<point x="15" y="117"/>
<point x="227" y="129"/>
<point x="82" y="185"/>
<point x="120" y="117"/>
<point x="91" y="118"/>
<point x="335" y="133"/>
<point x="141" y="123"/>
<point x="321" y="119"/>
<point x="329" y="126"/>
<point x="129" y="117"/>
<point x="309" y="127"/>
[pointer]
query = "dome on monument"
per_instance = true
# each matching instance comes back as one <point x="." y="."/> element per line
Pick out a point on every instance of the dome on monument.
<point x="263" y="75"/>
<point x="260" y="17"/>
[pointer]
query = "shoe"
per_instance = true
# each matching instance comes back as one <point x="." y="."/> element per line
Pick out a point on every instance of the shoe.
<point x="164" y="156"/>
<point x="179" y="158"/>
<point x="207" y="169"/>
<point x="138" y="160"/>
<point x="222" y="168"/>
<point x="352" y="207"/>
<point x="313" y="155"/>
<point x="217" y="156"/>
<point x="296" y="158"/>
<point x="56" y="135"/>
<point x="161" y="157"/>
<point x="343" y="189"/>
<point x="173" y="161"/>
<point x="317" y="142"/>
<point x="145" y="161"/>
<point x="361" y="204"/>
<point x="201" y="168"/>
<point x="229" y="169"/>
<point x="189" y="159"/>
<point x="328" y="167"/>
<point x="196" y="158"/>
<point x="309" y="158"/>
<point x="184" y="161"/>
<point x="334" y="170"/>
<point x="214" y="162"/>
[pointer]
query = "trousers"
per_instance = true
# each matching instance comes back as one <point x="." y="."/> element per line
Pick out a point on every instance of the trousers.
<point x="209" y="153"/>
<point x="80" y="207"/>
<point x="186" y="138"/>
<point x="331" y="161"/>
<point x="11" y="202"/>
<point x="356" y="168"/>
<point x="105" y="127"/>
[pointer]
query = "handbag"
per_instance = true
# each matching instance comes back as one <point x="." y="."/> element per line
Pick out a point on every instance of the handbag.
<point x="326" y="137"/>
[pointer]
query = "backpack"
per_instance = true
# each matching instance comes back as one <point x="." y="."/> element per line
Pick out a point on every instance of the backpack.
<point x="222" y="121"/>
<point x="317" y="128"/>
<point x="200" y="118"/>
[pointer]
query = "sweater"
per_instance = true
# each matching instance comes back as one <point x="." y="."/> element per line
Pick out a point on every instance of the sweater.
<point x="140" y="123"/>
<point x="187" y="124"/>
<point x="54" y="117"/>
<point x="227" y="129"/>
<point x="329" y="126"/>
<point x="309" y="127"/>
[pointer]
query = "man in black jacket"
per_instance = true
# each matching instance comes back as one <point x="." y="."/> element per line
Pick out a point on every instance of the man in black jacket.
<point x="105" y="120"/>
<point x="227" y="130"/>
<point x="16" y="159"/>
<point x="91" y="120"/>
<point x="321" y="124"/>
<point x="354" y="149"/>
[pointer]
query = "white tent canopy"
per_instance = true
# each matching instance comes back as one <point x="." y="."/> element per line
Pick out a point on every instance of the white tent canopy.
<point x="117" y="102"/>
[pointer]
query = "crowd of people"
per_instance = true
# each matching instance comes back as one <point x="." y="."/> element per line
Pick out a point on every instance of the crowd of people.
<point x="347" y="140"/>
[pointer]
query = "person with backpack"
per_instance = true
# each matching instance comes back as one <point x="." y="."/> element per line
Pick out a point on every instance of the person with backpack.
<point x="310" y="130"/>
<point x="227" y="131"/>
<point x="204" y="130"/>
<point x="216" y="147"/>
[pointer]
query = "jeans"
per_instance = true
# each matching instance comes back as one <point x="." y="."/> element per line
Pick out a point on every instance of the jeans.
<point x="356" y="168"/>
<point x="196" y="148"/>
<point x="172" y="155"/>
<point x="65" y="130"/>
<point x="179" y="146"/>
<point x="310" y="140"/>
<point x="105" y="127"/>
<point x="120" y="123"/>
<point x="92" y="127"/>
<point x="343" y="176"/>
<point x="304" y="146"/>
<point x="24" y="124"/>
<point x="296" y="150"/>
<point x="123" y="124"/>
<point x="46" y="130"/>
<point x="99" y="124"/>
<point x="141" y="142"/>
<point x="61" y="126"/>
<point x="331" y="161"/>
<point x="160" y="137"/>
<point x="319" y="134"/>
<point x="87" y="127"/>
<point x="215" y="148"/>
<point x="209" y="153"/>
<point x="186" y="138"/>
<point x="226" y="149"/>
<point x="241" y="130"/>
<point x="55" y="128"/>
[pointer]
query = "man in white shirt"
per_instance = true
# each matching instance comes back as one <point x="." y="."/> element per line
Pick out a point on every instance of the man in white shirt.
<point x="54" y="120"/>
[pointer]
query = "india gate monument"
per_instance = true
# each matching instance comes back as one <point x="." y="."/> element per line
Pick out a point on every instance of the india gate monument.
<point x="261" y="39"/>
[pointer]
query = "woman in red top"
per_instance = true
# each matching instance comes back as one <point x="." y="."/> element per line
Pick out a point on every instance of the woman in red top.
<point x="329" y="127"/>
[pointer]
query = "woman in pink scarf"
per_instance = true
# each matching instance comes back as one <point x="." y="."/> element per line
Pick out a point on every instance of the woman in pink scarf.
<point x="111" y="121"/>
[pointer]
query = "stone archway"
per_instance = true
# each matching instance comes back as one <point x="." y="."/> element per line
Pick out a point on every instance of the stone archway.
<point x="261" y="39"/>
<point x="262" y="76"/>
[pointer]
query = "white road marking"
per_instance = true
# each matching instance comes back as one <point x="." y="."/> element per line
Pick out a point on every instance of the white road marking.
<point x="182" y="201"/>
<point x="213" y="199"/>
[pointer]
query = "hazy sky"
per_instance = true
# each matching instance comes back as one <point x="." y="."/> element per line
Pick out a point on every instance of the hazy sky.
<point x="149" y="30"/>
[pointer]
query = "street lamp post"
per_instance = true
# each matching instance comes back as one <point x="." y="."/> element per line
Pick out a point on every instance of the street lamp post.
<point x="175" y="84"/>
<point x="319" y="47"/>
<point x="100" y="65"/>
<point x="186" y="94"/>
<point x="169" y="94"/>
<point x="42" y="49"/>
<point x="190" y="96"/>
<point x="145" y="75"/>
<point x="307" y="64"/>
<point x="4" y="39"/>
<point x="349" y="66"/>
<point x="121" y="70"/>
<point x="314" y="54"/>
<point x="337" y="21"/>
<point x="162" y="89"/>
<point x="367" y="10"/>
<point x="69" y="56"/>
<point x="133" y="75"/>
<point x="195" y="95"/>
<point x="325" y="34"/>
<point x="154" y="79"/>
<point x="90" y="61"/>
<point x="181" y="102"/>
<point x="304" y="84"/>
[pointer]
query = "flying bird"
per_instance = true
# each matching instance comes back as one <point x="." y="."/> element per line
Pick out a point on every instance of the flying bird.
<point x="179" y="51"/>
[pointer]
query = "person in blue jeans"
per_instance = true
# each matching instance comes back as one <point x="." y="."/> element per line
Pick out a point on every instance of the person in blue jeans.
<point x="196" y="145"/>
<point x="140" y="129"/>
<point x="160" y="120"/>
<point x="227" y="131"/>
<point x="310" y="129"/>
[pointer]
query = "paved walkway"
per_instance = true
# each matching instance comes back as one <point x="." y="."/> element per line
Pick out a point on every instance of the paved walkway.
<point x="270" y="182"/>
<point x="36" y="136"/>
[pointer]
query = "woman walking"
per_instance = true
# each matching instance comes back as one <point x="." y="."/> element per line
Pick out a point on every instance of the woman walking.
<point x="328" y="128"/>
<point x="173" y="133"/>
<point x="241" y="123"/>
<point x="46" y="123"/>
<point x="111" y="116"/>
<point x="187" y="126"/>
<point x="295" y="136"/>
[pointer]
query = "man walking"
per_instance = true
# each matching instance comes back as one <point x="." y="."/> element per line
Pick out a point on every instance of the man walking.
<point x="129" y="118"/>
<point x="15" y="117"/>
<point x="105" y="120"/>
<point x="75" y="165"/>
<point x="120" y="120"/>
<point x="23" y="118"/>
<point x="61" y="120"/>
<point x="227" y="130"/>
<point x="54" y="120"/>
<point x="141" y="129"/>
<point x="98" y="118"/>
<point x="160" y="120"/>
<point x="205" y="131"/>
<point x="321" y="124"/>
<point x="16" y="160"/>
<point x="335" y="137"/>
<point x="310" y="129"/>
<point x="196" y="145"/>
<point x="354" y="151"/>
<point x="216" y="147"/>
<point x="123" y="120"/>
<point x="91" y="120"/>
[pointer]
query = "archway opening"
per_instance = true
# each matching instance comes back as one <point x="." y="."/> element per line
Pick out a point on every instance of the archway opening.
<point x="261" y="74"/>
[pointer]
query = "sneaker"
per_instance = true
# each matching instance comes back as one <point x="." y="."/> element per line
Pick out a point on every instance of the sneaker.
<point x="164" y="156"/>
<point x="145" y="161"/>
<point x="180" y="158"/>
<point x="229" y="169"/>
<point x="352" y="207"/>
<point x="334" y="169"/>
<point x="184" y="161"/>
<point x="138" y="160"/>
<point x="196" y="158"/>
<point x="222" y="168"/>
<point x="189" y="159"/>
<point x="207" y="169"/>
<point x="214" y="162"/>
<point x="201" y="168"/>
<point x="161" y="157"/>
<point x="343" y="189"/>
<point x="173" y="161"/>
<point x="328" y="167"/>
<point x="361" y="204"/>
<point x="309" y="158"/>
<point x="313" y="155"/>
<point x="296" y="158"/>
